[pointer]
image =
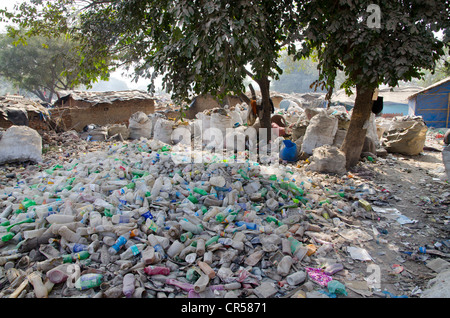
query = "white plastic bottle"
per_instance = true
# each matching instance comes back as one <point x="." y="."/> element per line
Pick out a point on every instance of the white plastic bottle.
<point x="133" y="250"/>
<point x="128" y="285"/>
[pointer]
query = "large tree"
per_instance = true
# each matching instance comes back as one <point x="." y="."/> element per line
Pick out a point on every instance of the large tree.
<point x="204" y="46"/>
<point x="373" y="42"/>
<point x="212" y="45"/>
<point x="41" y="66"/>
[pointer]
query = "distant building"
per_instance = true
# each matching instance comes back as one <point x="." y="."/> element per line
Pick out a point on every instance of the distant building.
<point x="75" y="110"/>
<point x="395" y="99"/>
<point x="433" y="104"/>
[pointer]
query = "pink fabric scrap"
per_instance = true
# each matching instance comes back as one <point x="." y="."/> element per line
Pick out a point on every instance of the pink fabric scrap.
<point x="317" y="275"/>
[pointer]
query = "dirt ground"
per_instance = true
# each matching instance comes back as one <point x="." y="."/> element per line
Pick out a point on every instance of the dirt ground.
<point x="416" y="186"/>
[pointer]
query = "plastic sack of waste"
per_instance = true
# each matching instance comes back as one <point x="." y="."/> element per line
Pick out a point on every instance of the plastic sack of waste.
<point x="201" y="126"/>
<point x="20" y="143"/>
<point x="98" y="134"/>
<point x="163" y="130"/>
<point x="140" y="126"/>
<point x="321" y="131"/>
<point x="237" y="116"/>
<point x="221" y="122"/>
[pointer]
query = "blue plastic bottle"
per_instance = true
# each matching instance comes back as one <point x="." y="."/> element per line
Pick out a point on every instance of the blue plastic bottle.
<point x="250" y="226"/>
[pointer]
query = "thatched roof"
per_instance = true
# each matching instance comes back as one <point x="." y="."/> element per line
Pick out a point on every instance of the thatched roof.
<point x="95" y="98"/>
<point x="10" y="102"/>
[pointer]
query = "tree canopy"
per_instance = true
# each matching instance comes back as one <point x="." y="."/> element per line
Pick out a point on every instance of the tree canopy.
<point x="372" y="44"/>
<point x="41" y="66"/>
<point x="211" y="46"/>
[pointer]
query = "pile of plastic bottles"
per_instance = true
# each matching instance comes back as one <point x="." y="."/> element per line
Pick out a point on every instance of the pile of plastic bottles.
<point x="127" y="220"/>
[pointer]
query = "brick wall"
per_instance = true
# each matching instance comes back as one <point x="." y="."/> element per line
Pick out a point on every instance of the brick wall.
<point x="80" y="113"/>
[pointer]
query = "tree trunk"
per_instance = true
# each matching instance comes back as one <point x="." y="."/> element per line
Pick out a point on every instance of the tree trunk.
<point x="264" y="86"/>
<point x="354" y="140"/>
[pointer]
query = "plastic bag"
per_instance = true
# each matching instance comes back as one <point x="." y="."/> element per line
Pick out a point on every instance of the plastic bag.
<point x="336" y="287"/>
<point x="289" y="151"/>
<point x="140" y="126"/>
<point x="163" y="131"/>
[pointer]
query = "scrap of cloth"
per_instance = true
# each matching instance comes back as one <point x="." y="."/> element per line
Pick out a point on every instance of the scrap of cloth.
<point x="318" y="275"/>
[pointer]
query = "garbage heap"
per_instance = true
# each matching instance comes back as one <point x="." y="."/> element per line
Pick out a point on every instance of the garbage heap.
<point x="128" y="220"/>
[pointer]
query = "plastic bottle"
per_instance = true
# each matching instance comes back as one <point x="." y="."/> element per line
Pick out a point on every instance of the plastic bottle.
<point x="211" y="213"/>
<point x="148" y="255"/>
<point x="192" y="274"/>
<point x="274" y="219"/>
<point x="6" y="212"/>
<point x="95" y="219"/>
<point x="185" y="236"/>
<point x="284" y="266"/>
<point x="206" y="269"/>
<point x="192" y="199"/>
<point x="114" y="249"/>
<point x="212" y="240"/>
<point x="174" y="231"/>
<point x="157" y="246"/>
<point x="248" y="225"/>
<point x="182" y="285"/>
<point x="156" y="188"/>
<point x="333" y="268"/>
<point x="200" y="249"/>
<point x="254" y="258"/>
<point x="60" y="218"/>
<point x="87" y="281"/>
<point x="77" y="247"/>
<point x="296" y="278"/>
<point x="58" y="274"/>
<point x="175" y="249"/>
<point x="23" y="216"/>
<point x="133" y="250"/>
<point x="117" y="218"/>
<point x="201" y="283"/>
<point x="200" y="191"/>
<point x="39" y="289"/>
<point x="128" y="285"/>
<point x="70" y="235"/>
<point x="156" y="270"/>
<point x="190" y="227"/>
<point x="81" y="255"/>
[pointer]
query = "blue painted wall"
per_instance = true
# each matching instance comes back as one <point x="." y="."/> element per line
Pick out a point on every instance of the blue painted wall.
<point x="433" y="106"/>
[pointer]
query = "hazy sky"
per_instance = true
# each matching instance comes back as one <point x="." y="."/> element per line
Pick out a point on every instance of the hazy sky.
<point x="132" y="85"/>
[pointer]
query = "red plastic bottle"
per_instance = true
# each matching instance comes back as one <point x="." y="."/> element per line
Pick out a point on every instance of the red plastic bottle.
<point x="157" y="270"/>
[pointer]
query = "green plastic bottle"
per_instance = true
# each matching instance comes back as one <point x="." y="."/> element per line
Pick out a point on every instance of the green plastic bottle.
<point x="212" y="240"/>
<point x="293" y="186"/>
<point x="87" y="281"/>
<point x="200" y="191"/>
<point x="192" y="198"/>
<point x="185" y="236"/>
<point x="7" y="237"/>
<point x="273" y="219"/>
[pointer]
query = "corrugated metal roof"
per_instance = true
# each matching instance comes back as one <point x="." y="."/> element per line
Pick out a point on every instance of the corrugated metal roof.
<point x="391" y="95"/>
<point x="445" y="80"/>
